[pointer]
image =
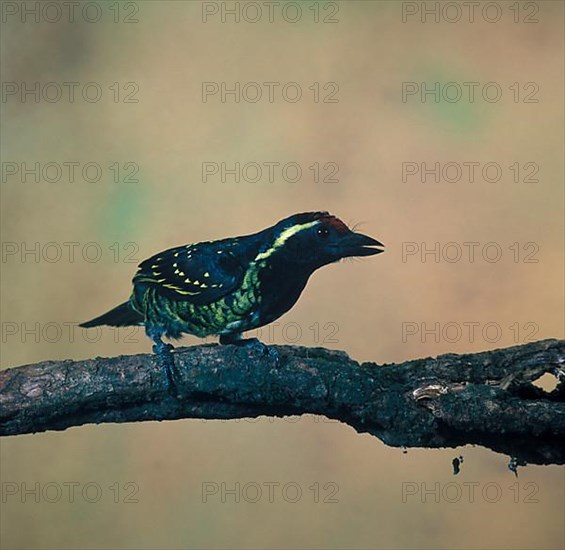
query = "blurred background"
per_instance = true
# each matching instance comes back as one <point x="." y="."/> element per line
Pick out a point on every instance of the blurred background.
<point x="161" y="144"/>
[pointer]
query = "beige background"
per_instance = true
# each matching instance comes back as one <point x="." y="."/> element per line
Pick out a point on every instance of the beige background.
<point x="369" y="133"/>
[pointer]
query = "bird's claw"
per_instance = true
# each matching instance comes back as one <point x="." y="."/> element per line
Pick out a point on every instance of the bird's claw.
<point x="258" y="347"/>
<point x="166" y="361"/>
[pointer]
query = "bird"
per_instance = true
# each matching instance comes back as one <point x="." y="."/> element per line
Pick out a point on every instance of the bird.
<point x="228" y="286"/>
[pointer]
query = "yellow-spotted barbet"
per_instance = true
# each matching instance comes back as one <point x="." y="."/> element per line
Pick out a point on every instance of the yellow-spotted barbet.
<point x="232" y="285"/>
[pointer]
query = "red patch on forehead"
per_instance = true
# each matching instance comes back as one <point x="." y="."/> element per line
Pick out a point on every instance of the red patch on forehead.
<point x="336" y="223"/>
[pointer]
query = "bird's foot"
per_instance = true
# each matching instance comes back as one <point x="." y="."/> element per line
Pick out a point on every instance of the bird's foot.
<point x="254" y="344"/>
<point x="166" y="361"/>
<point x="259" y="347"/>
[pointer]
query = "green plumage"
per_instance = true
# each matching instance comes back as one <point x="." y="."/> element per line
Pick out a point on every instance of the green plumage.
<point x="232" y="313"/>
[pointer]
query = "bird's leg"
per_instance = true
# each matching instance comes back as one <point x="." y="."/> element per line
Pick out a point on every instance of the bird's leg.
<point x="165" y="358"/>
<point x="236" y="339"/>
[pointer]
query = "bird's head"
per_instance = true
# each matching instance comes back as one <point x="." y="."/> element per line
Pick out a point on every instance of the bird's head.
<point x="315" y="239"/>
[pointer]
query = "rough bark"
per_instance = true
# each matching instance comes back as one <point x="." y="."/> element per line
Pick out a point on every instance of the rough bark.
<point x="482" y="398"/>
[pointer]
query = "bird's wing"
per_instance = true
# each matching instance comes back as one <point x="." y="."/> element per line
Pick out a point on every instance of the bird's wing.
<point x="199" y="273"/>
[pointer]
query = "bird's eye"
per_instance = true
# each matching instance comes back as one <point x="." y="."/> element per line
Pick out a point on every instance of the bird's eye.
<point x="323" y="232"/>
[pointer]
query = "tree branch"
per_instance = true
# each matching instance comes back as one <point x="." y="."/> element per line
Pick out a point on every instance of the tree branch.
<point x="483" y="398"/>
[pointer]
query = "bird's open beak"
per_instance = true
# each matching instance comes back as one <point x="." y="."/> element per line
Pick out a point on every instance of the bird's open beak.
<point x="357" y="244"/>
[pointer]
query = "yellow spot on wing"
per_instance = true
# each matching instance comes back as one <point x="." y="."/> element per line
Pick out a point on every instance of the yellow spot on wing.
<point x="206" y="274"/>
<point x="179" y="291"/>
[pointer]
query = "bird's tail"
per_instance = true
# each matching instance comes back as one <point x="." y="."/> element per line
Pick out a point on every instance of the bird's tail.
<point x="121" y="316"/>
